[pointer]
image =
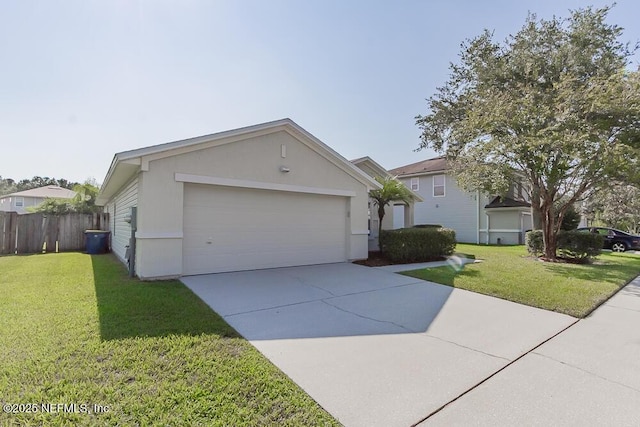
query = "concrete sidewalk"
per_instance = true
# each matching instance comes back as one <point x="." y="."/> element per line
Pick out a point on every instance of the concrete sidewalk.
<point x="589" y="375"/>
<point x="372" y="347"/>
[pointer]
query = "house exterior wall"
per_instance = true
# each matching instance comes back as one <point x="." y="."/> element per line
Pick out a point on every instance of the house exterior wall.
<point x="464" y="212"/>
<point x="508" y="225"/>
<point x="8" y="204"/>
<point x="458" y="209"/>
<point x="119" y="207"/>
<point x="255" y="159"/>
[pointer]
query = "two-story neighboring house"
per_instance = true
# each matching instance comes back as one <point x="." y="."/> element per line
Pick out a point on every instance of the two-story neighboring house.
<point x="400" y="211"/>
<point x="21" y="200"/>
<point x="475" y="217"/>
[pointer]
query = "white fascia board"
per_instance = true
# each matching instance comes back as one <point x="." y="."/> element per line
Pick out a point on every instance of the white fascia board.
<point x="418" y="174"/>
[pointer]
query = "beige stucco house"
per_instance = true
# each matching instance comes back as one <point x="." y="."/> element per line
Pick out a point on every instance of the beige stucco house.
<point x="475" y="217"/>
<point x="263" y="196"/>
<point x="396" y="209"/>
<point x="21" y="201"/>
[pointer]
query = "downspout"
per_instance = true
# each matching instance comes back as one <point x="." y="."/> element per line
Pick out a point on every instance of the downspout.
<point x="477" y="217"/>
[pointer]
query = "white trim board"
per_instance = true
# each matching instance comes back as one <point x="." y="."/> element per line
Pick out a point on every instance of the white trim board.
<point x="242" y="183"/>
<point x="501" y="230"/>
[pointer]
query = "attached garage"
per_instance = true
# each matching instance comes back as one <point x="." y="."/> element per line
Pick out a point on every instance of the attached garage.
<point x="230" y="229"/>
<point x="265" y="196"/>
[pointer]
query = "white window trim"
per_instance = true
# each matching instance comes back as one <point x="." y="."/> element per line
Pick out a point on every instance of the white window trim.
<point x="21" y="199"/>
<point x="444" y="185"/>
<point x="415" y="181"/>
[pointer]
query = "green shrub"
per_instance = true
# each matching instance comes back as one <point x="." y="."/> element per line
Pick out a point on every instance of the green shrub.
<point x="572" y="245"/>
<point x="427" y="226"/>
<point x="579" y="246"/>
<point x="534" y="242"/>
<point x="417" y="244"/>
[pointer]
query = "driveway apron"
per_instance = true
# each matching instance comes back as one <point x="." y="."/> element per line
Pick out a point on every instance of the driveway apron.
<point x="372" y="347"/>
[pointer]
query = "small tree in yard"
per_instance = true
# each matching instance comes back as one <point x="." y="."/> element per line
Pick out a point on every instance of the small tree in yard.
<point x="571" y="219"/>
<point x="555" y="104"/>
<point x="392" y="191"/>
<point x="83" y="202"/>
<point x="85" y="199"/>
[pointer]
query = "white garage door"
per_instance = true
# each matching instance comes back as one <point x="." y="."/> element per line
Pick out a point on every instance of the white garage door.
<point x="231" y="229"/>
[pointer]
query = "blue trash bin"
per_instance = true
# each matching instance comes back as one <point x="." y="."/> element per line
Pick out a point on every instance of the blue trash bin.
<point x="96" y="241"/>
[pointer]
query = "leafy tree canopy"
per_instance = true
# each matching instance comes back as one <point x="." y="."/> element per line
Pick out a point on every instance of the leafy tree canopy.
<point x="616" y="206"/>
<point x="555" y="103"/>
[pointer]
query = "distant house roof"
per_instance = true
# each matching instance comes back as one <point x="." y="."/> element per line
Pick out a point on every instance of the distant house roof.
<point x="48" y="191"/>
<point x="380" y="171"/>
<point x="437" y="164"/>
<point x="507" y="202"/>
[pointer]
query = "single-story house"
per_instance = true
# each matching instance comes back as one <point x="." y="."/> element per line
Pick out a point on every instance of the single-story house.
<point x="263" y="196"/>
<point x="475" y="217"/>
<point x="396" y="209"/>
<point x="21" y="200"/>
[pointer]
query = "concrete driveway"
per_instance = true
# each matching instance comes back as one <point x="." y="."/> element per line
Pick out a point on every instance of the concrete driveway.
<point x="372" y="347"/>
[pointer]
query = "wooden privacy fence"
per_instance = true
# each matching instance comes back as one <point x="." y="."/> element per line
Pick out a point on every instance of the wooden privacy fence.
<point x="38" y="232"/>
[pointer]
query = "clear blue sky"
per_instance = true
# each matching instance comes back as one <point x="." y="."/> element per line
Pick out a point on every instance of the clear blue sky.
<point x="82" y="80"/>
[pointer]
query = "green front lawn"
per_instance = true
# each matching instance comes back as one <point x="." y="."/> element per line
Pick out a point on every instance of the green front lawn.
<point x="508" y="272"/>
<point x="76" y="330"/>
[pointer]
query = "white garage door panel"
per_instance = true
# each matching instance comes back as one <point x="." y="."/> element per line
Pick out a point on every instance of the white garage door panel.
<point x="251" y="229"/>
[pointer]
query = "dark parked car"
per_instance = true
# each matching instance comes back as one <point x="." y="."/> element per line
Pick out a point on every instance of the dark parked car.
<point x="616" y="240"/>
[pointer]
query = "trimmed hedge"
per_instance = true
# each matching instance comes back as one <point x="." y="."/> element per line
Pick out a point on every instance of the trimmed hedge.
<point x="427" y="226"/>
<point x="417" y="244"/>
<point x="579" y="246"/>
<point x="573" y="245"/>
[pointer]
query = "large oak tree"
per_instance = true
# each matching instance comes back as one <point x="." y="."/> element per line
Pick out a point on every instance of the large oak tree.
<point x="555" y="105"/>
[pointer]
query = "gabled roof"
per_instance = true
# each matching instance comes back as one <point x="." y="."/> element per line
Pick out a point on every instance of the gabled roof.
<point x="126" y="164"/>
<point x="382" y="172"/>
<point x="424" y="167"/>
<point x="48" y="191"/>
<point x="372" y="164"/>
<point x="507" y="202"/>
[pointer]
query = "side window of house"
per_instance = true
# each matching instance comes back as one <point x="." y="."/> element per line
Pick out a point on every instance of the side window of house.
<point x="19" y="202"/>
<point x="415" y="184"/>
<point x="520" y="191"/>
<point x="438" y="186"/>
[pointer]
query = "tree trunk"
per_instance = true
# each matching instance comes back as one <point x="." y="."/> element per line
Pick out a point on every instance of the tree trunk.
<point x="549" y="235"/>
<point x="380" y="217"/>
<point x="536" y="214"/>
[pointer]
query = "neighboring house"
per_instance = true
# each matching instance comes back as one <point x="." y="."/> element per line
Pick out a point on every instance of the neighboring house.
<point x="398" y="209"/>
<point x="20" y="201"/>
<point x="263" y="196"/>
<point x="475" y="217"/>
